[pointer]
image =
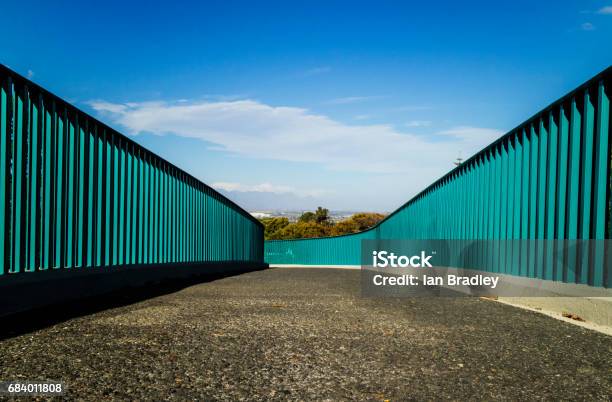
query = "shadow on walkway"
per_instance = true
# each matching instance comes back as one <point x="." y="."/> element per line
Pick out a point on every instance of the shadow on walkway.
<point x="21" y="323"/>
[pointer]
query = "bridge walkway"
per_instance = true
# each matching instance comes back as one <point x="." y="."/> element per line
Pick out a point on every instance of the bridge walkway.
<point x="307" y="334"/>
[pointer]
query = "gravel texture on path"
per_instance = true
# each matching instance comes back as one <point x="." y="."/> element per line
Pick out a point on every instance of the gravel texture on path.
<point x="307" y="334"/>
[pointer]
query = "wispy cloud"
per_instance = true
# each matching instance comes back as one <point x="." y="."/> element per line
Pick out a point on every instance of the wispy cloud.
<point x="469" y="134"/>
<point x="418" y="123"/>
<point x="363" y="117"/>
<point x="113" y="108"/>
<point x="254" y="129"/>
<point x="30" y="74"/>
<point x="227" y="97"/>
<point x="353" y="99"/>
<point x="265" y="188"/>
<point x="317" y="71"/>
<point x="587" y="26"/>
<point x="607" y="10"/>
<point x="411" y="108"/>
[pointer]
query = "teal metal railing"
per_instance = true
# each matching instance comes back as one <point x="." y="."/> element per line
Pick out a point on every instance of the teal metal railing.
<point x="74" y="193"/>
<point x="548" y="178"/>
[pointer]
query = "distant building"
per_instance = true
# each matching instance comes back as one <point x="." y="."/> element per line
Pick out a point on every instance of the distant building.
<point x="260" y="215"/>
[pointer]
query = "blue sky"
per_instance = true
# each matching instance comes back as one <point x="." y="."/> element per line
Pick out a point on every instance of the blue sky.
<point x="349" y="105"/>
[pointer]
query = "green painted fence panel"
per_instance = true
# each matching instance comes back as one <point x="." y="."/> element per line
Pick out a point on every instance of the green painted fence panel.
<point x="4" y="143"/>
<point x="601" y="180"/>
<point x="76" y="194"/>
<point x="548" y="178"/>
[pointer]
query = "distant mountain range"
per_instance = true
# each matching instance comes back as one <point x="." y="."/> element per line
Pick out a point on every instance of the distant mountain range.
<point x="264" y="201"/>
<point x="293" y="216"/>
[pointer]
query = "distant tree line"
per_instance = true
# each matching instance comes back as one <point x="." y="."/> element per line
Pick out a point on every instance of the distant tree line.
<point x="317" y="224"/>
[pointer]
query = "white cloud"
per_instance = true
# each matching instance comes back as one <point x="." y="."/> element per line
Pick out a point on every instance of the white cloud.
<point x="265" y="188"/>
<point x="418" y="123"/>
<point x="112" y="108"/>
<point x="587" y="26"/>
<point x="253" y="129"/>
<point x="30" y="74"/>
<point x="363" y="117"/>
<point x="351" y="99"/>
<point x="605" y="10"/>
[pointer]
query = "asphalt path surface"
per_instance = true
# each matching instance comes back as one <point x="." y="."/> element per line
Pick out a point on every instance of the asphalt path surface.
<point x="306" y="334"/>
